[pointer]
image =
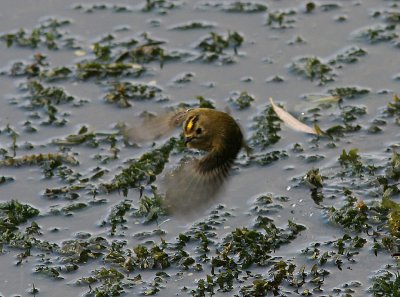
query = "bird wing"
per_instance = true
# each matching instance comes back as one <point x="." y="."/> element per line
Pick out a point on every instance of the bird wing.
<point x="154" y="127"/>
<point x="195" y="185"/>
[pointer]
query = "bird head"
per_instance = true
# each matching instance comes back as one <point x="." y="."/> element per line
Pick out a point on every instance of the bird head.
<point x="198" y="131"/>
<point x="211" y="130"/>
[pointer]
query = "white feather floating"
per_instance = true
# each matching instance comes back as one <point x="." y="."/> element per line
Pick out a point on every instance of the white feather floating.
<point x="291" y="121"/>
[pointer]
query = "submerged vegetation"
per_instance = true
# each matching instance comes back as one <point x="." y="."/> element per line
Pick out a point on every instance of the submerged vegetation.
<point x="82" y="207"/>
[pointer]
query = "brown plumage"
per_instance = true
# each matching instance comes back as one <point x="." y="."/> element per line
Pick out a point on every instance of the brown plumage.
<point x="197" y="182"/>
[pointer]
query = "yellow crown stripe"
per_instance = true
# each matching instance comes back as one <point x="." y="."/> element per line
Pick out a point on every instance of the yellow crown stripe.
<point x="191" y="122"/>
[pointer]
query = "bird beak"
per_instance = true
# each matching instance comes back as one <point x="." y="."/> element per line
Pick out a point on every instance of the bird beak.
<point x="188" y="139"/>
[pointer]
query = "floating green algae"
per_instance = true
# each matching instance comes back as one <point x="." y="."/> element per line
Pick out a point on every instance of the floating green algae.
<point x="301" y="214"/>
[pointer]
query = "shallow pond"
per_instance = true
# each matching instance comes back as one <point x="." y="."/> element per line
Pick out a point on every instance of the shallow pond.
<point x="80" y="211"/>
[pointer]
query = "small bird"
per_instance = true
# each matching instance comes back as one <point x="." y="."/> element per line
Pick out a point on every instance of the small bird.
<point x="194" y="185"/>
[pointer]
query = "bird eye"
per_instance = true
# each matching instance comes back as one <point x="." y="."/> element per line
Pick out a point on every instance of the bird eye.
<point x="199" y="130"/>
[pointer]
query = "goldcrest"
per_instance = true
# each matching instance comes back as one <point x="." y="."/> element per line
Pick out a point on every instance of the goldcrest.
<point x="197" y="182"/>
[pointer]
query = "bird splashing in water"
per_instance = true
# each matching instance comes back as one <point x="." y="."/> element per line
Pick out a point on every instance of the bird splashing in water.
<point x="195" y="183"/>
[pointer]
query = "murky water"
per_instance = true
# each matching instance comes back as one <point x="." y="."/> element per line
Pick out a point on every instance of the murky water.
<point x="268" y="51"/>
